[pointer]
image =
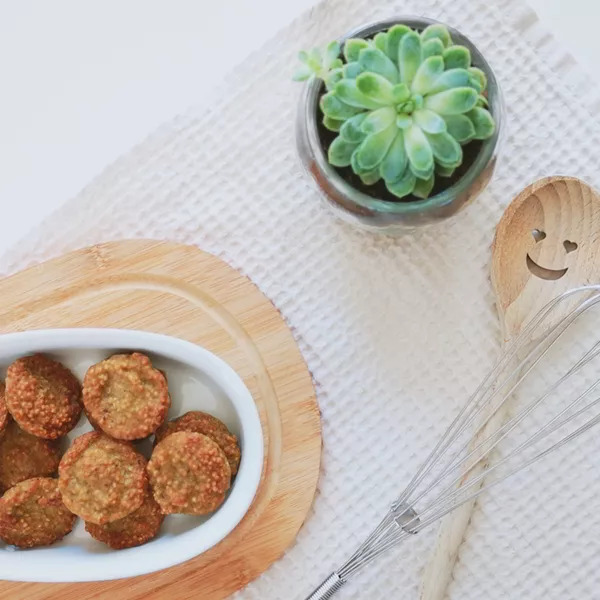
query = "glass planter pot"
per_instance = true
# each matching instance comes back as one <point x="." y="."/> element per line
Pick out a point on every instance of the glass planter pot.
<point x="382" y="215"/>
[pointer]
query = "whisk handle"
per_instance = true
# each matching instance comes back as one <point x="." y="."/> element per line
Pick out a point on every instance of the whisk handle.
<point x="328" y="588"/>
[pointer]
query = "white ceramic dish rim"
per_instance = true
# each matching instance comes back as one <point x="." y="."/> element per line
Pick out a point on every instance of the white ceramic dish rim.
<point x="37" y="566"/>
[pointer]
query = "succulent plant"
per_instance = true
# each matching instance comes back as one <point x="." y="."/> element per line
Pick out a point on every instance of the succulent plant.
<point x="317" y="65"/>
<point x="403" y="104"/>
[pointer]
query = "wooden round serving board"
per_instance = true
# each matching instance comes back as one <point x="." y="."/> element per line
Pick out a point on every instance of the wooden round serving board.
<point x="184" y="292"/>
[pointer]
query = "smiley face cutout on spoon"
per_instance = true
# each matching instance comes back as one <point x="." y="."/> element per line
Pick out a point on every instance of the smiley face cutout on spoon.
<point x="543" y="272"/>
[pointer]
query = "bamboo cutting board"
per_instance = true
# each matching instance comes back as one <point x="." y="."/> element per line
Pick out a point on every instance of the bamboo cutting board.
<point x="184" y="292"/>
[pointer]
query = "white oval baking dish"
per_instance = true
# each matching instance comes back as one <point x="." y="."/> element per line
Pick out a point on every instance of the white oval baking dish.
<point x="198" y="380"/>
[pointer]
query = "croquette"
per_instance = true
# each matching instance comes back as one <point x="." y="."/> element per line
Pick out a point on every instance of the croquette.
<point x="43" y="396"/>
<point x="133" y="530"/>
<point x="201" y="422"/>
<point x="4" y="415"/>
<point x="33" y="514"/>
<point x="125" y="396"/>
<point x="188" y="474"/>
<point x="102" y="479"/>
<point x="23" y="456"/>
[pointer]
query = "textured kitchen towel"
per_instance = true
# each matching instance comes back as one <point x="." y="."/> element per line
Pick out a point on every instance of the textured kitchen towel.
<point x="395" y="331"/>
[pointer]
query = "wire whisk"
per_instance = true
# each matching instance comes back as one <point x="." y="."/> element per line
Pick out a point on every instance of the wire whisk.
<point x="483" y="447"/>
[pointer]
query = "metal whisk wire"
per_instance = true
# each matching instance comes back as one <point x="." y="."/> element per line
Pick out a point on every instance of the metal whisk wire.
<point x="467" y="473"/>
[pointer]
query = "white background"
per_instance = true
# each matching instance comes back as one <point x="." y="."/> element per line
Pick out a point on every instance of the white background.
<point x="82" y="81"/>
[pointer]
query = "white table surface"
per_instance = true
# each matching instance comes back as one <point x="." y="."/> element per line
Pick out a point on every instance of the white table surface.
<point x="82" y="82"/>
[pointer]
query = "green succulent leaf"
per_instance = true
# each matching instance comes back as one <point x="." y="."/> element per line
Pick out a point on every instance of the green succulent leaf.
<point x="423" y="187"/>
<point x="347" y="91"/>
<point x="340" y="152"/>
<point x="452" y="102"/>
<point x="378" y="120"/>
<point x="395" y="34"/>
<point x="302" y="73"/>
<point x="370" y="177"/>
<point x="482" y="100"/>
<point x="380" y="41"/>
<point x="374" y="60"/>
<point x="404" y="121"/>
<point x="394" y="164"/>
<point x="480" y="76"/>
<point x="451" y="79"/>
<point x="460" y="128"/>
<point x="474" y="83"/>
<point x="404" y="186"/>
<point x="409" y="57"/>
<point x="427" y="74"/>
<point x="355" y="166"/>
<point x="437" y="31"/>
<point x="352" y="70"/>
<point x="445" y="148"/>
<point x="418" y="150"/>
<point x="314" y="65"/>
<point x="483" y="122"/>
<point x="332" y="53"/>
<point x="444" y="171"/>
<point x="333" y="78"/>
<point x="352" y="48"/>
<point x="424" y="174"/>
<point x="432" y="47"/>
<point x="314" y="61"/>
<point x="400" y="93"/>
<point x="374" y="148"/>
<point x="315" y="57"/>
<point x="333" y="107"/>
<point x="429" y="121"/>
<point x="377" y="88"/>
<point x="457" y="57"/>
<point x="351" y="129"/>
<point x="332" y="124"/>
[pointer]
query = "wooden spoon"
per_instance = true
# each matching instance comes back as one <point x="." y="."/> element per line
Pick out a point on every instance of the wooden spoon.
<point x="547" y="242"/>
